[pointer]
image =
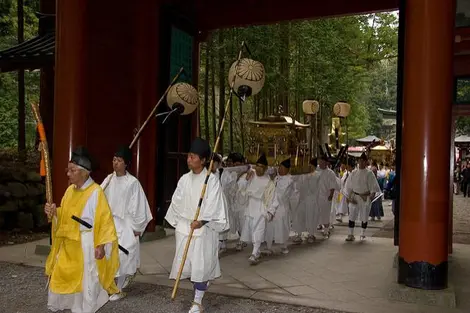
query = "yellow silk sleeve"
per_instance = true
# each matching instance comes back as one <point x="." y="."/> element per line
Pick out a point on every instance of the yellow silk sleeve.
<point x="105" y="233"/>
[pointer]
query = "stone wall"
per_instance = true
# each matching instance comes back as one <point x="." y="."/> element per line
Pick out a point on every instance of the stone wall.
<point x="22" y="192"/>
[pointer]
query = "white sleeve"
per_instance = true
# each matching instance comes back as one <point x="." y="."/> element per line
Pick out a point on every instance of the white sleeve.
<point x="138" y="208"/>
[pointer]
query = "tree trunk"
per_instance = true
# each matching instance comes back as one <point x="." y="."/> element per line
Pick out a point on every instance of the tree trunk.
<point x="283" y="100"/>
<point x="212" y="72"/>
<point x="222" y="88"/>
<point x="21" y="93"/>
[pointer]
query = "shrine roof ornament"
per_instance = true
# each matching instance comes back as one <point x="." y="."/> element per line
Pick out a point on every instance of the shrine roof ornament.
<point x="34" y="53"/>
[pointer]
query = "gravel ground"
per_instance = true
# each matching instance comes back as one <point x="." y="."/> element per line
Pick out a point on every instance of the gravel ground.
<point x="22" y="291"/>
<point x="461" y="219"/>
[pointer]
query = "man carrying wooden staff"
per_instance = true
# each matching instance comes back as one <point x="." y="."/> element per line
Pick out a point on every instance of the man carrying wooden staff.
<point x="202" y="262"/>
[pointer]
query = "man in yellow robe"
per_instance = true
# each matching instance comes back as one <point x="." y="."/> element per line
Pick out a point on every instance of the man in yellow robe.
<point x="83" y="262"/>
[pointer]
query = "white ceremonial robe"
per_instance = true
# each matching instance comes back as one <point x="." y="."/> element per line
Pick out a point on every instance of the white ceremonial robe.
<point x="131" y="213"/>
<point x="202" y="262"/>
<point x="259" y="198"/>
<point x="288" y="197"/>
<point x="343" y="204"/>
<point x="93" y="296"/>
<point x="229" y="181"/>
<point x="326" y="182"/>
<point x="307" y="211"/>
<point x="335" y="202"/>
<point x="361" y="181"/>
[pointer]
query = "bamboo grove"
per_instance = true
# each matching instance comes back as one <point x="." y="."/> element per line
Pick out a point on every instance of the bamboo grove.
<point x="350" y="58"/>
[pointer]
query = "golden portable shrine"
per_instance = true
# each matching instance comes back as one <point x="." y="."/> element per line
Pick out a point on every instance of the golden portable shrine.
<point x="279" y="137"/>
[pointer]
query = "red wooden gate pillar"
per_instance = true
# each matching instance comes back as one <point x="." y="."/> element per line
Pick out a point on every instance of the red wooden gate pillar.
<point x="106" y="80"/>
<point x="427" y="115"/>
<point x="70" y="81"/>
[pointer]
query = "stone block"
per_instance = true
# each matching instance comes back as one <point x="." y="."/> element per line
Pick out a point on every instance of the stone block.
<point x="4" y="191"/>
<point x="9" y="206"/>
<point x="33" y="177"/>
<point x="17" y="190"/>
<point x="18" y="176"/>
<point x="25" y="221"/>
<point x="42" y="249"/>
<point x="441" y="298"/>
<point x="34" y="190"/>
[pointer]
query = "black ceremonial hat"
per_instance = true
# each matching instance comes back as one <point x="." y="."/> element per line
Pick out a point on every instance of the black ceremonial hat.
<point x="314" y="161"/>
<point x="262" y="160"/>
<point x="217" y="158"/>
<point x="125" y="153"/>
<point x="286" y="163"/>
<point x="81" y="157"/>
<point x="363" y="156"/>
<point x="236" y="157"/>
<point x="200" y="147"/>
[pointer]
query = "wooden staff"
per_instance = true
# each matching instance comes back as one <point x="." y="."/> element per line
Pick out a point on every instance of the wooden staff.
<point x="45" y="167"/>
<point x="139" y="132"/>
<point x="209" y="171"/>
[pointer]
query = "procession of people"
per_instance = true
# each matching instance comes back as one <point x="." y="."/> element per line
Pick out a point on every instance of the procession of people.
<point x="96" y="229"/>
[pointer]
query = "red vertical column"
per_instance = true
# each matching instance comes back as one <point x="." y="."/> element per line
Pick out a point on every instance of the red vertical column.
<point x="427" y="115"/>
<point x="146" y="66"/>
<point x="69" y="113"/>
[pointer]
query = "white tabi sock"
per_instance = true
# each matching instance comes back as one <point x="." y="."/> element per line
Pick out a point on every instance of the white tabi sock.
<point x="256" y="247"/>
<point x="198" y="295"/>
<point x="351" y="231"/>
<point x="363" y="231"/>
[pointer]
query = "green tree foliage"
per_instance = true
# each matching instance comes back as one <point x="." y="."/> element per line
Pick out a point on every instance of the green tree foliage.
<point x="350" y="58"/>
<point x="8" y="81"/>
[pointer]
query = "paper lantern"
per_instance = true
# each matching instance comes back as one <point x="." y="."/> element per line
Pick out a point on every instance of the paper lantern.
<point x="249" y="77"/>
<point x="183" y="97"/>
<point x="342" y="109"/>
<point x="310" y="107"/>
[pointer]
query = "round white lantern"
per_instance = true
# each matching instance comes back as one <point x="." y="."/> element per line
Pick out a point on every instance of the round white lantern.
<point x="342" y="109"/>
<point x="249" y="77"/>
<point x="310" y="107"/>
<point x="183" y="97"/>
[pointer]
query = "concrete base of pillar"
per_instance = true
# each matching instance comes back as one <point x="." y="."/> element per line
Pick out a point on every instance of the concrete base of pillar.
<point x="159" y="233"/>
<point x="401" y="293"/>
<point x="42" y="249"/>
<point x="441" y="298"/>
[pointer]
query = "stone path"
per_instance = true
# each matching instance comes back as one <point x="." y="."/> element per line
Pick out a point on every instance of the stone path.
<point x="331" y="274"/>
<point x="22" y="291"/>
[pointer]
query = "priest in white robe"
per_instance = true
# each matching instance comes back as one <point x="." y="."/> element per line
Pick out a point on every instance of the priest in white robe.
<point x="306" y="214"/>
<point x="342" y="208"/>
<point x="287" y="197"/>
<point x="131" y="213"/>
<point x="228" y="179"/>
<point x="360" y="189"/>
<point x="202" y="262"/>
<point x="327" y="184"/>
<point x="257" y="190"/>
<point x="83" y="261"/>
